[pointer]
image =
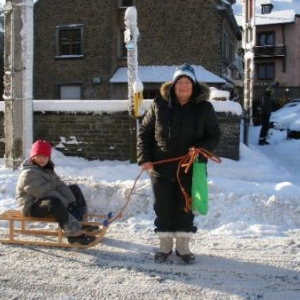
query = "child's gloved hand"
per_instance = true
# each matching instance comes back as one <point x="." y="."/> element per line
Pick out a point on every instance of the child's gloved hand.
<point x="76" y="211"/>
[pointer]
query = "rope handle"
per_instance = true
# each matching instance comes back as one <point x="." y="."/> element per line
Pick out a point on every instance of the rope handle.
<point x="187" y="161"/>
<point x="184" y="161"/>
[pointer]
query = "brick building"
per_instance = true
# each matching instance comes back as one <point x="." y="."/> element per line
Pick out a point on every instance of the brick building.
<point x="79" y="50"/>
<point x="79" y="45"/>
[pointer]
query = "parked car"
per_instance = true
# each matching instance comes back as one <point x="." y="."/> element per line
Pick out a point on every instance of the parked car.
<point x="283" y="117"/>
<point x="293" y="129"/>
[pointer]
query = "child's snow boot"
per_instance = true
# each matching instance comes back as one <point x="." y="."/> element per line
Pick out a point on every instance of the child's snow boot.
<point x="81" y="239"/>
<point x="72" y="227"/>
<point x="90" y="228"/>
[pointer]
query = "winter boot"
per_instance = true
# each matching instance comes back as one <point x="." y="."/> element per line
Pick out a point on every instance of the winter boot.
<point x="75" y="235"/>
<point x="90" y="228"/>
<point x="263" y="141"/>
<point x="81" y="239"/>
<point x="165" y="247"/>
<point x="72" y="227"/>
<point x="182" y="247"/>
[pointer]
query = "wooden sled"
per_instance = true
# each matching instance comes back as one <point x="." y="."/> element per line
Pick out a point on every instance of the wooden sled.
<point x="19" y="231"/>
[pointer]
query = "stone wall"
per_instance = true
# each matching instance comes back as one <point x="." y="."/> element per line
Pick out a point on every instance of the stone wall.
<point x="105" y="136"/>
<point x="230" y="141"/>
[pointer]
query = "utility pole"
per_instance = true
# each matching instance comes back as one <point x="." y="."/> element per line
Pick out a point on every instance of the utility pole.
<point x="18" y="66"/>
<point x="248" y="46"/>
<point x="135" y="86"/>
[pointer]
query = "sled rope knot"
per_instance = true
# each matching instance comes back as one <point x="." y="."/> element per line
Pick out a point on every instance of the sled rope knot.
<point x="185" y="161"/>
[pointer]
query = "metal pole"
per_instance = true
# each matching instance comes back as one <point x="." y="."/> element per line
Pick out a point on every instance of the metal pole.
<point x="131" y="35"/>
<point x="248" y="45"/>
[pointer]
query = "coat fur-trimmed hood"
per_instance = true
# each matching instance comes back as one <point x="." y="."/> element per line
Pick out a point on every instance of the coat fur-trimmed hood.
<point x="203" y="95"/>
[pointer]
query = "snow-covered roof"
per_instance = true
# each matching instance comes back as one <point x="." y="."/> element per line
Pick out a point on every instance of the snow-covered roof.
<point x="158" y="74"/>
<point x="283" y="11"/>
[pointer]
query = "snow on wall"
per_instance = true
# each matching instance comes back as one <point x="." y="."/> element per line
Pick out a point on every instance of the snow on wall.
<point x="111" y="106"/>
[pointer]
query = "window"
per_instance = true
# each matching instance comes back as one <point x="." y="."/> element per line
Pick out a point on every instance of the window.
<point x="266" y="38"/>
<point x="265" y="71"/>
<point x="225" y="47"/>
<point x="126" y="3"/>
<point x="69" y="41"/>
<point x="228" y="49"/>
<point x="231" y="52"/>
<point x="70" y="92"/>
<point x="266" y="9"/>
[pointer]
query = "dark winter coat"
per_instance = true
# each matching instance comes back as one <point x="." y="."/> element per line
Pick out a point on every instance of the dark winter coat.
<point x="37" y="182"/>
<point x="267" y="102"/>
<point x="169" y="129"/>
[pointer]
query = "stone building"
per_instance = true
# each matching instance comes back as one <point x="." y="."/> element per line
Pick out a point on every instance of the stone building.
<point x="79" y="54"/>
<point x="79" y="45"/>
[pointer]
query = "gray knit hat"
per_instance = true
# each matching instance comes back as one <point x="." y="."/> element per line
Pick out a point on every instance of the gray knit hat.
<point x="185" y="70"/>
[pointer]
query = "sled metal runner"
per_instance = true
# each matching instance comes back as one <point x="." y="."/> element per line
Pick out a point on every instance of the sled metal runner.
<point x="19" y="231"/>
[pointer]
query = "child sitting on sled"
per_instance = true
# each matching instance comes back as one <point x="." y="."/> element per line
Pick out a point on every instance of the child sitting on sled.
<point x="41" y="193"/>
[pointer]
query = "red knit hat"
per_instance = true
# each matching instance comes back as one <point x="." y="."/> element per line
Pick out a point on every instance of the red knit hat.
<point x="41" y="148"/>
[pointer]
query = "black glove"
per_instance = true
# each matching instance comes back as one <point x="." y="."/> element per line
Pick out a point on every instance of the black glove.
<point x="76" y="211"/>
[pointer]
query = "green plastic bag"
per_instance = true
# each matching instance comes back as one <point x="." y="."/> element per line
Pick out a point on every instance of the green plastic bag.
<point x="200" y="203"/>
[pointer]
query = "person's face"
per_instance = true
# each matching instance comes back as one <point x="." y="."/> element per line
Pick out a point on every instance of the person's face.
<point x="41" y="160"/>
<point x="183" y="90"/>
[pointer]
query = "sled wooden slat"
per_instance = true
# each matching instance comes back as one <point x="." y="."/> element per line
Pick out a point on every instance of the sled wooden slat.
<point x="20" y="233"/>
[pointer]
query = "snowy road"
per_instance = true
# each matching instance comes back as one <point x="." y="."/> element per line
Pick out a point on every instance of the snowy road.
<point x="122" y="267"/>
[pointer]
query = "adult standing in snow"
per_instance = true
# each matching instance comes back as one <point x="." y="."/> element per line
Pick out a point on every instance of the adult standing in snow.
<point x="179" y="119"/>
<point x="40" y="193"/>
<point x="266" y="110"/>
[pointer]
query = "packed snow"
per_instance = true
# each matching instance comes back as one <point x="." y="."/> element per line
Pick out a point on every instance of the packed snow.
<point x="246" y="247"/>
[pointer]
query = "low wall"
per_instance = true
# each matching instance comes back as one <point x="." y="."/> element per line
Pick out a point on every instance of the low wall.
<point x="106" y="135"/>
<point x="91" y="136"/>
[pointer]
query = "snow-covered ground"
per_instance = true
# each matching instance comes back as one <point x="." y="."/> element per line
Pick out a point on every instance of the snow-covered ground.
<point x="247" y="247"/>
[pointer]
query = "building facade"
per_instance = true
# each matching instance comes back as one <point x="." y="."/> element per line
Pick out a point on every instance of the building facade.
<point x="277" y="46"/>
<point x="79" y="45"/>
<point x="277" y="50"/>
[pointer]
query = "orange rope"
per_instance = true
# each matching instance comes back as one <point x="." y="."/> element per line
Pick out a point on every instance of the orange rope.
<point x="185" y="161"/>
<point x="119" y="215"/>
